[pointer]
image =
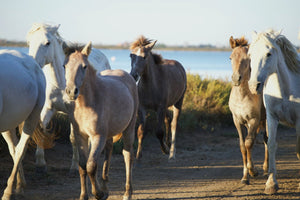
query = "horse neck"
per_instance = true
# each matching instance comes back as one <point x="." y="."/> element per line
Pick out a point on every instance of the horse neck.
<point x="243" y="89"/>
<point x="55" y="73"/>
<point x="88" y="87"/>
<point x="283" y="76"/>
<point x="151" y="72"/>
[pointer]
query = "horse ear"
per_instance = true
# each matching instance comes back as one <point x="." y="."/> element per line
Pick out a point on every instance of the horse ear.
<point x="87" y="49"/>
<point x="254" y="35"/>
<point x="150" y="46"/>
<point x="232" y="42"/>
<point x="54" y="29"/>
<point x="278" y="32"/>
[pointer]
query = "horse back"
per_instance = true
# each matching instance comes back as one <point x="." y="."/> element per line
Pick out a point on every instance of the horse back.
<point x="172" y="82"/>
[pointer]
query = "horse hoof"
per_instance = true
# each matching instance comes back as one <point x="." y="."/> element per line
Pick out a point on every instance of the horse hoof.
<point x="7" y="197"/>
<point x="245" y="181"/>
<point x="172" y="159"/>
<point x="41" y="170"/>
<point x="164" y="149"/>
<point x="271" y="189"/>
<point x="102" y="196"/>
<point x="126" y="198"/>
<point x="253" y="173"/>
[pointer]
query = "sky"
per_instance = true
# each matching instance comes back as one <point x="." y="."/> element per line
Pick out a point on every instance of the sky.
<point x="171" y="22"/>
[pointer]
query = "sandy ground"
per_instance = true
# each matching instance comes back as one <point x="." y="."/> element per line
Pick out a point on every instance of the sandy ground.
<point x="207" y="166"/>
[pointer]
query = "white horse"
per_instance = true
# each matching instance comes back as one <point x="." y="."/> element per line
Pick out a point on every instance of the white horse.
<point x="22" y="96"/>
<point x="275" y="66"/>
<point x="45" y="45"/>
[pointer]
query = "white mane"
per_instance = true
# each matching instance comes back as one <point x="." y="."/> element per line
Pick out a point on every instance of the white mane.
<point x="289" y="52"/>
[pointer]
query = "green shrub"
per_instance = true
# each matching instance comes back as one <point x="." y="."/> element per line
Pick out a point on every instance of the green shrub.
<point x="205" y="104"/>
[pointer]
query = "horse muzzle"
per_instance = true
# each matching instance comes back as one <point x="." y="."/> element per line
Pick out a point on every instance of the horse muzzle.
<point x="255" y="87"/>
<point x="236" y="79"/>
<point x="72" y="93"/>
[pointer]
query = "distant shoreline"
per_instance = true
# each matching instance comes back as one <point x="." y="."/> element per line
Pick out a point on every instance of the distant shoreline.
<point x="126" y="46"/>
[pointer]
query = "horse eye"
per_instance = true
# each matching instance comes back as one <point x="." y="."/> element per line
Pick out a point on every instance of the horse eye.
<point x="84" y="66"/>
<point x="64" y="66"/>
<point x="47" y="43"/>
<point x="269" y="54"/>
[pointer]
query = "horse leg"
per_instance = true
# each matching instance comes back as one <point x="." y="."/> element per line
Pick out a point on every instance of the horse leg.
<point x="12" y="141"/>
<point x="128" y="139"/>
<point x="20" y="150"/>
<point x="40" y="161"/>
<point x="242" y="132"/>
<point x="141" y="132"/>
<point x="83" y="149"/>
<point x="176" y="113"/>
<point x="106" y="164"/>
<point x="75" y="157"/>
<point x="271" y="184"/>
<point x="266" y="161"/>
<point x="298" y="139"/>
<point x="168" y="119"/>
<point x="97" y="143"/>
<point x="161" y="113"/>
<point x="252" y="127"/>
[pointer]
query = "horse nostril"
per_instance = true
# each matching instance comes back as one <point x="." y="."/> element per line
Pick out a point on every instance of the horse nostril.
<point x="75" y="91"/>
<point x="257" y="86"/>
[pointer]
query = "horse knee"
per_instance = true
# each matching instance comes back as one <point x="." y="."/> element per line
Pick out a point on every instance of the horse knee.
<point x="91" y="168"/>
<point x="249" y="143"/>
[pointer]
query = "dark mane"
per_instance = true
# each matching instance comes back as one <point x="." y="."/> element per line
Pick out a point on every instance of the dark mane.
<point x="242" y="42"/>
<point x="158" y="59"/>
<point x="71" y="48"/>
<point x="140" y="42"/>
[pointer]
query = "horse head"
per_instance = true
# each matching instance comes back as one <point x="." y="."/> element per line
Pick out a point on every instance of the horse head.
<point x="76" y="63"/>
<point x="240" y="62"/>
<point x="43" y="41"/>
<point x="140" y="50"/>
<point x="263" y="53"/>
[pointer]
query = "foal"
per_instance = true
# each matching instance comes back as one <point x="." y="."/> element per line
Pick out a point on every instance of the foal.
<point x="100" y="107"/>
<point x="248" y="112"/>
<point x="161" y="83"/>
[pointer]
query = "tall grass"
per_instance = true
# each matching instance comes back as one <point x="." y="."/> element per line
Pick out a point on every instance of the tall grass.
<point x="205" y="104"/>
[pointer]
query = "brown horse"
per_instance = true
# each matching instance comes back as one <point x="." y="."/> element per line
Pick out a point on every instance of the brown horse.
<point x="100" y="107"/>
<point x="161" y="83"/>
<point x="247" y="109"/>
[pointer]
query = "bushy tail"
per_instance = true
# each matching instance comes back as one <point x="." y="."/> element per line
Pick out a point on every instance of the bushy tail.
<point x="40" y="138"/>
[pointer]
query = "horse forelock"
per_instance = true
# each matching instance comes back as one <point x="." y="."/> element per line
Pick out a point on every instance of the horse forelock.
<point x="240" y="42"/>
<point x="43" y="27"/>
<point x="140" y="42"/>
<point x="72" y="48"/>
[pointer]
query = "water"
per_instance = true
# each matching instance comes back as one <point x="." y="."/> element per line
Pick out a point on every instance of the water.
<point x="212" y="64"/>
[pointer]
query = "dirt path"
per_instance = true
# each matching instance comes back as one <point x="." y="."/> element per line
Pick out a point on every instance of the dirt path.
<point x="207" y="166"/>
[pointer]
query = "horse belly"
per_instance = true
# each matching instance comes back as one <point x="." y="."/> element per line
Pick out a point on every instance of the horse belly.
<point x="18" y="98"/>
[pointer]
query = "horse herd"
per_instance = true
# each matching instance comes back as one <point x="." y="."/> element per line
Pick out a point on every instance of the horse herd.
<point x="103" y="104"/>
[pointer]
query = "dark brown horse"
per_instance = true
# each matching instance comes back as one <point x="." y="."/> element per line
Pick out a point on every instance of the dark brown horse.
<point x="161" y="84"/>
<point x="248" y="111"/>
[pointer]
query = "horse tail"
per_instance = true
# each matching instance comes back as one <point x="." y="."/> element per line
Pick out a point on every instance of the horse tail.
<point x="116" y="138"/>
<point x="39" y="137"/>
